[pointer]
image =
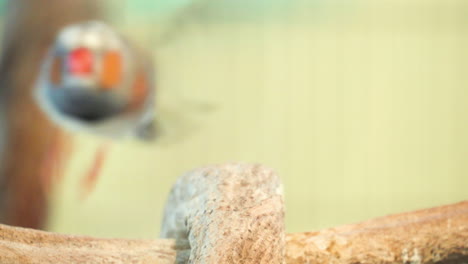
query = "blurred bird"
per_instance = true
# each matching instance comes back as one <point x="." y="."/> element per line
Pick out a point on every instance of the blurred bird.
<point x="92" y="80"/>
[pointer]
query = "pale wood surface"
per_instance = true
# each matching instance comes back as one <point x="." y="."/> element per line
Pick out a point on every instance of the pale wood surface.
<point x="430" y="239"/>
<point x="436" y="235"/>
<point x="232" y="213"/>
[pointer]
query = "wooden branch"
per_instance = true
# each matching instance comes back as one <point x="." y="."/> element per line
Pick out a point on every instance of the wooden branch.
<point x="21" y="245"/>
<point x="231" y="213"/>
<point x="210" y="226"/>
<point x="437" y="235"/>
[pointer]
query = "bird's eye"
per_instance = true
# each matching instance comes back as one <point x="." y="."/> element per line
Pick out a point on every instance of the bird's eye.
<point x="111" y="73"/>
<point x="80" y="62"/>
<point x="56" y="71"/>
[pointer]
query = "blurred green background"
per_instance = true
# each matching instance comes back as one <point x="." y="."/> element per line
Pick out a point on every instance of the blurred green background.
<point x="359" y="105"/>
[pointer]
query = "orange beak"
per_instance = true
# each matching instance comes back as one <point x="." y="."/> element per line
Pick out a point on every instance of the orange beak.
<point x="80" y="62"/>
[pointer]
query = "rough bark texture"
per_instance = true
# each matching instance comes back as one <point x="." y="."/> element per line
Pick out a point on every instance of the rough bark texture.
<point x="27" y="136"/>
<point x="20" y="245"/>
<point x="230" y="214"/>
<point x="437" y="235"/>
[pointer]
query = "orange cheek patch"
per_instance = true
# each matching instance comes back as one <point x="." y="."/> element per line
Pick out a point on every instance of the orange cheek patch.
<point x="56" y="71"/>
<point x="111" y="70"/>
<point x="139" y="91"/>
